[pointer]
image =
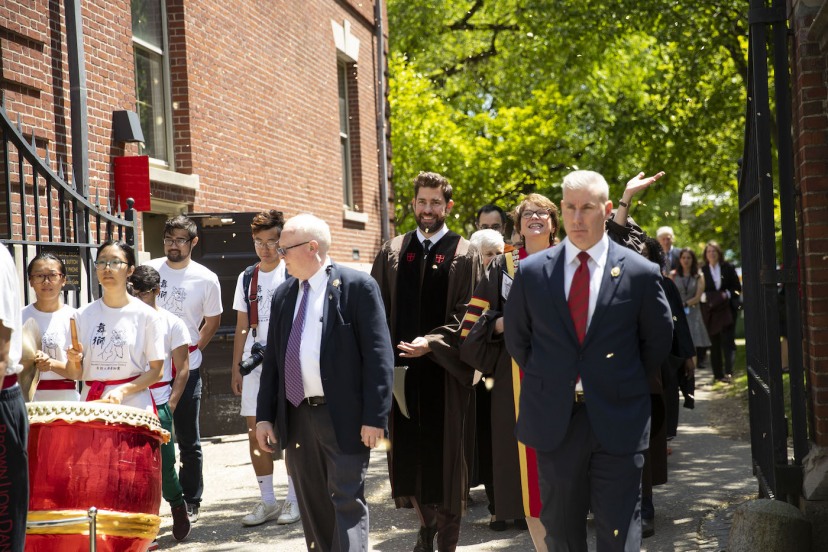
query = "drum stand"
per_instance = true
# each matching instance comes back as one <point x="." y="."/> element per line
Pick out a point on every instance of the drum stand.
<point x="91" y="517"/>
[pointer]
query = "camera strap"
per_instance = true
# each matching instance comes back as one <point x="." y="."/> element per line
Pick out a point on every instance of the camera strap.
<point x="253" y="301"/>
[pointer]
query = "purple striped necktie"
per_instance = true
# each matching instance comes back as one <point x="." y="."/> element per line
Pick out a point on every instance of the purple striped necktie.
<point x="294" y="388"/>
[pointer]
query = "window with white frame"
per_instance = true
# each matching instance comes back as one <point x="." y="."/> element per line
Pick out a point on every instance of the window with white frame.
<point x="152" y="91"/>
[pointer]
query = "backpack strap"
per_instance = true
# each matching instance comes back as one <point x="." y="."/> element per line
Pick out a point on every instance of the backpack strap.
<point x="250" y="282"/>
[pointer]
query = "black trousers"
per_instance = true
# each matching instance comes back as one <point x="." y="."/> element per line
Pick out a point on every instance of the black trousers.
<point x="14" y="469"/>
<point x="580" y="476"/>
<point x="723" y="346"/>
<point x="330" y="484"/>
<point x="188" y="437"/>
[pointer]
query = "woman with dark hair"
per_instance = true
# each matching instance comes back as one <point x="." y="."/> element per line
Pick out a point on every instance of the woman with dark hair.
<point x="675" y="374"/>
<point x="47" y="276"/>
<point x="690" y="283"/>
<point x="720" y="302"/>
<point x="120" y="349"/>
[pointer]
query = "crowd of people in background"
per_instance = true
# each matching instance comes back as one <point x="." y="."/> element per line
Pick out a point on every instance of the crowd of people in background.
<point x="560" y="400"/>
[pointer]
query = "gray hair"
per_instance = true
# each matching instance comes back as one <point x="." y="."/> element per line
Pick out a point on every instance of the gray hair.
<point x="663" y="231"/>
<point x="313" y="228"/>
<point x="487" y="238"/>
<point x="587" y="180"/>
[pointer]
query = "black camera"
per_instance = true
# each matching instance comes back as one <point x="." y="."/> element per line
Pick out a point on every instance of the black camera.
<point x="256" y="358"/>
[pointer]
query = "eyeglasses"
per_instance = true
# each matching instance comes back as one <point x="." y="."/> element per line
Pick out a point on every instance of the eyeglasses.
<point x="177" y="241"/>
<point x="497" y="227"/>
<point x="41" y="278"/>
<point x="143" y="293"/>
<point x="114" y="264"/>
<point x="283" y="250"/>
<point x="542" y="214"/>
<point x="270" y="244"/>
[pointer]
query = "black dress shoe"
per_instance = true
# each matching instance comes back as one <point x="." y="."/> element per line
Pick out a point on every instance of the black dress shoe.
<point x="520" y="524"/>
<point x="497" y="525"/>
<point x="425" y="540"/>
<point x="647" y="527"/>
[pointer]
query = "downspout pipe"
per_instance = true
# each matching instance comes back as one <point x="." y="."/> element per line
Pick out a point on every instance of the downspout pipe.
<point x="381" y="118"/>
<point x="77" y="96"/>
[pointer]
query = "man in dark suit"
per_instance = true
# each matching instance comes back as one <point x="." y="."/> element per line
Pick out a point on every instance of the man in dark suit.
<point x="587" y="321"/>
<point x="326" y="384"/>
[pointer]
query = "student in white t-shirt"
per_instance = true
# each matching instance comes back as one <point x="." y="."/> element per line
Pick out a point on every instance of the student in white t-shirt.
<point x="190" y="291"/>
<point x="47" y="276"/>
<point x="121" y="340"/>
<point x="264" y="278"/>
<point x="145" y="282"/>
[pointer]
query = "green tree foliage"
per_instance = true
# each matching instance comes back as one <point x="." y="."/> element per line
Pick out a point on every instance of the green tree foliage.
<point x="505" y="97"/>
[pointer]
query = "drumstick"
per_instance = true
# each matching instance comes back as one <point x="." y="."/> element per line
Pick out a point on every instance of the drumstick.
<point x="73" y="329"/>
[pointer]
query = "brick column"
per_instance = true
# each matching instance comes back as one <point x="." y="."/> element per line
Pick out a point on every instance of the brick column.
<point x="809" y="73"/>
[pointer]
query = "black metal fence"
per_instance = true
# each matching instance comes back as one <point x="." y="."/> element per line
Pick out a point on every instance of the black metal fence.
<point x="44" y="211"/>
<point x="770" y="282"/>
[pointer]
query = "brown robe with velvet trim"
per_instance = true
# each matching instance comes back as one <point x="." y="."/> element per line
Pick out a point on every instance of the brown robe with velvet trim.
<point x="456" y="377"/>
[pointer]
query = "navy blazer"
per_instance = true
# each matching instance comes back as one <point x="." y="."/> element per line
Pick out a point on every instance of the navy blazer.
<point x="628" y="337"/>
<point x="356" y="364"/>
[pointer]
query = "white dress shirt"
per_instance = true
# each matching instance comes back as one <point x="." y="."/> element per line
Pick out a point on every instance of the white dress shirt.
<point x="597" y="261"/>
<point x="434" y="237"/>
<point x="716" y="274"/>
<point x="311" y="347"/>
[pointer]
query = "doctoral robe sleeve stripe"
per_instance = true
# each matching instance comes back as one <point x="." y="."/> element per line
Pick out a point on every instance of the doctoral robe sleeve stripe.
<point x="477" y="307"/>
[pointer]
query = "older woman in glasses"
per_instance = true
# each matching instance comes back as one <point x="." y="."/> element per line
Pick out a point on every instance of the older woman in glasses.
<point x="120" y="349"/>
<point x="47" y="276"/>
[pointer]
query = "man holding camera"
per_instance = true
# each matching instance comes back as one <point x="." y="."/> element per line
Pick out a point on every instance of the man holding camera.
<point x="252" y="301"/>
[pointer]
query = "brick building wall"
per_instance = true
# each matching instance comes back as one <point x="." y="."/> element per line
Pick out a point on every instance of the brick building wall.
<point x="255" y="112"/>
<point x="257" y="116"/>
<point x="809" y="75"/>
<point x="35" y="84"/>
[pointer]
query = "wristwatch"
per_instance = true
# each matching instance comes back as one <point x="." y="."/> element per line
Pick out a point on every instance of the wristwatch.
<point x="622" y="203"/>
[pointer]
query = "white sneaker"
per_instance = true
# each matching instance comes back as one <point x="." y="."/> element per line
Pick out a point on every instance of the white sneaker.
<point x="261" y="513"/>
<point x="290" y="513"/>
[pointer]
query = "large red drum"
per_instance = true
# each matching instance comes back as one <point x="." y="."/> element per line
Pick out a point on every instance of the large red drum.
<point x="94" y="454"/>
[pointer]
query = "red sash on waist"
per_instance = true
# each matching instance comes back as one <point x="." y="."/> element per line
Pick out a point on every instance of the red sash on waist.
<point x="160" y="384"/>
<point x="96" y="387"/>
<point x="8" y="381"/>
<point x="57" y="385"/>
<point x="190" y="349"/>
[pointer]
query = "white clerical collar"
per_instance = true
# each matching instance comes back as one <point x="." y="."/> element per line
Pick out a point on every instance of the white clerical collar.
<point x="434" y="238"/>
<point x="597" y="252"/>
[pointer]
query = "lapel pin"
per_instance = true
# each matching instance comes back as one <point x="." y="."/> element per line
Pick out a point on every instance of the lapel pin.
<point x="615" y="272"/>
<point x="434" y="267"/>
<point x="335" y="283"/>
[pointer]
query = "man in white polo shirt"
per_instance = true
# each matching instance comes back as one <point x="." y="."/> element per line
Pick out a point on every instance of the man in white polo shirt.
<point x="190" y="291"/>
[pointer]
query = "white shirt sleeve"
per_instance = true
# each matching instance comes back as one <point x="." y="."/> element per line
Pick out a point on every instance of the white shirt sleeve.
<point x="179" y="334"/>
<point x="154" y="337"/>
<point x="212" y="298"/>
<point x="239" y="303"/>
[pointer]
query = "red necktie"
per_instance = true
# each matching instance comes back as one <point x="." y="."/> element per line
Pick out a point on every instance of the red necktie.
<point x="579" y="296"/>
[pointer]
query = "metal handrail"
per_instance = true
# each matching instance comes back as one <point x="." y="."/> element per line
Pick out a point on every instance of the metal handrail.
<point x="91" y="517"/>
